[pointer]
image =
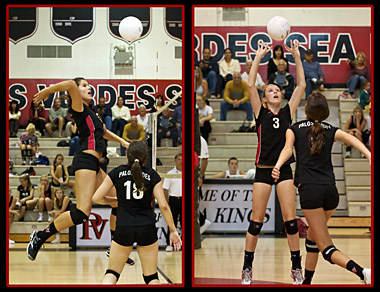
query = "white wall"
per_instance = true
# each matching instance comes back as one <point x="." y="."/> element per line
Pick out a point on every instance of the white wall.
<point x="92" y="57"/>
<point x="297" y="16"/>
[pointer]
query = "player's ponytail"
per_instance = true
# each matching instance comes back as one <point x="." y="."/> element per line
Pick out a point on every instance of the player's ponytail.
<point x="316" y="110"/>
<point x="137" y="153"/>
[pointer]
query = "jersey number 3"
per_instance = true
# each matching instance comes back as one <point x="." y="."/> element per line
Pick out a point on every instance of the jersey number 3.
<point x="276" y="123"/>
<point x="132" y="192"/>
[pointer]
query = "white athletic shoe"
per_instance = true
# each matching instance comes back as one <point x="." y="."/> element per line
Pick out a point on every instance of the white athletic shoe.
<point x="204" y="227"/>
<point x="296" y="276"/>
<point x="246" y="276"/>
<point x="367" y="276"/>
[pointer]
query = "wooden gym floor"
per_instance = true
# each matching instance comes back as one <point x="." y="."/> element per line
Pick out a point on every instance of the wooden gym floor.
<point x="56" y="264"/>
<point x="220" y="260"/>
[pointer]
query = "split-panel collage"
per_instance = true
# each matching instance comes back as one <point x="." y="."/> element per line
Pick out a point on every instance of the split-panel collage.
<point x="189" y="146"/>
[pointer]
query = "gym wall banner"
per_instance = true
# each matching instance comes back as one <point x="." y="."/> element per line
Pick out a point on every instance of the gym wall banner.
<point x="227" y="204"/>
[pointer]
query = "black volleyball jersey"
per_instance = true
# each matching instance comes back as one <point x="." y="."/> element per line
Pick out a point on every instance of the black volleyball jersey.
<point x="134" y="207"/>
<point x="271" y="129"/>
<point x="24" y="192"/>
<point x="318" y="168"/>
<point x="90" y="128"/>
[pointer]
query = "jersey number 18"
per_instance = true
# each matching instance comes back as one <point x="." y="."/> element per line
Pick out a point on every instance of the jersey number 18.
<point x="134" y="193"/>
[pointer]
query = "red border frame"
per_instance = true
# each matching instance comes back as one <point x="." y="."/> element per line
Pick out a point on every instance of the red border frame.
<point x="7" y="152"/>
<point x="372" y="147"/>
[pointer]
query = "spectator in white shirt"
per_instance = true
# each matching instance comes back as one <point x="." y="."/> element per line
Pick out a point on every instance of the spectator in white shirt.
<point x="259" y="81"/>
<point x="173" y="193"/>
<point x="120" y="116"/>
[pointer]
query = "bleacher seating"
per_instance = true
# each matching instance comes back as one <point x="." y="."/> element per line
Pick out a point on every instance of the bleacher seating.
<point x="353" y="176"/>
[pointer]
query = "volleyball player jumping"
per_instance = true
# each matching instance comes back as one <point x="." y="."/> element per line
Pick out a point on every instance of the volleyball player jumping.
<point x="88" y="175"/>
<point x="272" y="121"/>
<point x="135" y="185"/>
<point x="315" y="179"/>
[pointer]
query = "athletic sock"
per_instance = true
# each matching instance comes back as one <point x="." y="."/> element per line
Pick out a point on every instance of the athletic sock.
<point x="308" y="276"/>
<point x="295" y="257"/>
<point x="248" y="259"/>
<point x="355" y="268"/>
<point x="47" y="232"/>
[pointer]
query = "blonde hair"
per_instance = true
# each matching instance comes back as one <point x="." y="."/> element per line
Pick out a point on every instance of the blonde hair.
<point x="31" y="127"/>
<point x="364" y="57"/>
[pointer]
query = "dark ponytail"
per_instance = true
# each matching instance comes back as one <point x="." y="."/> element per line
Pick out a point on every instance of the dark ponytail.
<point x="316" y="110"/>
<point x="137" y="153"/>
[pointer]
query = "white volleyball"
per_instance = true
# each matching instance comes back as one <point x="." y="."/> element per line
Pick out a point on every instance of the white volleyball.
<point x="278" y="28"/>
<point x="130" y="28"/>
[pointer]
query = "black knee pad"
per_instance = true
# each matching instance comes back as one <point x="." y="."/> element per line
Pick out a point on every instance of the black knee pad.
<point x="311" y="246"/>
<point x="23" y="153"/>
<point x="117" y="275"/>
<point x="114" y="211"/>
<point x="148" y="279"/>
<point x="291" y="226"/>
<point x="327" y="253"/>
<point x="78" y="217"/>
<point x="254" y="228"/>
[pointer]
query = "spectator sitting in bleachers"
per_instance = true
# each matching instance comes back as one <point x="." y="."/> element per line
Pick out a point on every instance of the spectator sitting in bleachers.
<point x="132" y="131"/>
<point x="201" y="85"/>
<point x="61" y="205"/>
<point x="210" y="72"/>
<point x="28" y="143"/>
<point x="365" y="94"/>
<point x="236" y="97"/>
<point x="12" y="211"/>
<point x="283" y="79"/>
<point x="45" y="201"/>
<point x="177" y="116"/>
<point x="56" y="120"/>
<point x="355" y="126"/>
<point x="120" y="116"/>
<point x="233" y="169"/>
<point x="313" y="73"/>
<point x="227" y="67"/>
<point x="37" y="117"/>
<point x="25" y="196"/>
<point x="104" y="112"/>
<point x="205" y="116"/>
<point x="60" y="174"/>
<point x="278" y="54"/>
<point x="358" y="72"/>
<point x="166" y="128"/>
<point x="14" y="117"/>
<point x="259" y="81"/>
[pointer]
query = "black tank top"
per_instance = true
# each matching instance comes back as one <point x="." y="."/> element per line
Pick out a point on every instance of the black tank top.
<point x="318" y="168"/>
<point x="271" y="129"/>
<point x="134" y="207"/>
<point x="90" y="128"/>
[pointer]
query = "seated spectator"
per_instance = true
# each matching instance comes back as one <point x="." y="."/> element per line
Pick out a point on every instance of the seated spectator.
<point x="201" y="86"/>
<point x="14" y="117"/>
<point x="365" y="95"/>
<point x="278" y="54"/>
<point x="284" y="80"/>
<point x="25" y="196"/>
<point x="233" y="165"/>
<point x="259" y="81"/>
<point x="159" y="103"/>
<point x="228" y="67"/>
<point x="56" y="120"/>
<point x="210" y="72"/>
<point x="166" y="128"/>
<point x="104" y="112"/>
<point x="74" y="143"/>
<point x="143" y="118"/>
<point x="358" y="72"/>
<point x="120" y="116"/>
<point x="132" y="131"/>
<point x="59" y="173"/>
<point x="46" y="194"/>
<point x="313" y="73"/>
<point x="205" y="116"/>
<point x="12" y="212"/>
<point x="177" y="117"/>
<point x="236" y="98"/>
<point x="355" y="126"/>
<point x="37" y="117"/>
<point x="28" y="144"/>
<point x="61" y="205"/>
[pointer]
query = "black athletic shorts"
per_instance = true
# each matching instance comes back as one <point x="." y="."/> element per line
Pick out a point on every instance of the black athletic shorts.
<point x="142" y="235"/>
<point x="264" y="175"/>
<point x="83" y="160"/>
<point x="314" y="196"/>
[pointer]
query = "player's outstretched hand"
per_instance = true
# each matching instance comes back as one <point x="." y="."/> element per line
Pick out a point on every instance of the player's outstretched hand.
<point x="262" y="49"/>
<point x="42" y="95"/>
<point x="294" y="48"/>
